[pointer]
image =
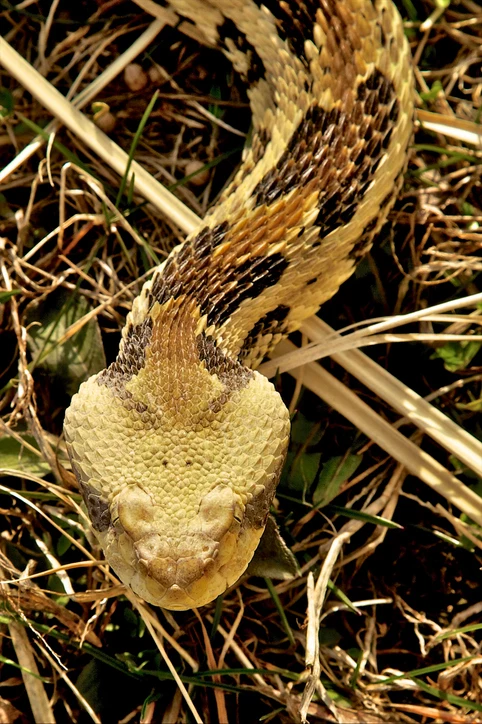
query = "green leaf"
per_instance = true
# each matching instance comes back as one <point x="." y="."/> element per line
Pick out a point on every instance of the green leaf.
<point x="5" y="296"/>
<point x="273" y="558"/>
<point x="38" y="130"/>
<point x="410" y="10"/>
<point x="132" y="150"/>
<point x="473" y="405"/>
<point x="427" y="669"/>
<point x="281" y="611"/>
<point x="456" y="355"/>
<point x="334" y="473"/>
<point x="72" y="361"/>
<point x="301" y="470"/>
<point x="366" y="517"/>
<point x="214" y="108"/>
<point x="304" y="431"/>
<point x="7" y="103"/>
<point x="16" y="456"/>
<point x="329" y="636"/>
<point x="467" y="209"/>
<point x="433" y="93"/>
<point x="63" y="545"/>
<point x="343" y="597"/>
<point x="6" y="212"/>
<point x="446" y="696"/>
<point x="91" y="682"/>
<point x="456" y="631"/>
<point x="10" y="662"/>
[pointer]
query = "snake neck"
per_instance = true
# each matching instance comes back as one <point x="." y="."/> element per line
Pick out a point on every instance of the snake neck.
<point x="179" y="369"/>
<point x="332" y="123"/>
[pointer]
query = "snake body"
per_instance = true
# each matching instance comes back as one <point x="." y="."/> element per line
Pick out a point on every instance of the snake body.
<point x="179" y="444"/>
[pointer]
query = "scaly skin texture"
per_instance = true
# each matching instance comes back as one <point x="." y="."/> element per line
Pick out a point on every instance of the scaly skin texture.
<point x="179" y="444"/>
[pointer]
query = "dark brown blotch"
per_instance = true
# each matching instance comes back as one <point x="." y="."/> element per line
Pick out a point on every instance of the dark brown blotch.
<point x="130" y="360"/>
<point x="271" y="323"/>
<point x="257" y="509"/>
<point x="97" y="507"/>
<point x="232" y="374"/>
<point x="252" y="277"/>
<point x="344" y="167"/>
<point x="181" y="272"/>
<point x="364" y="241"/>
<point x="303" y="158"/>
<point x="259" y="143"/>
<point x="256" y="69"/>
<point x="207" y="240"/>
<point x="294" y="22"/>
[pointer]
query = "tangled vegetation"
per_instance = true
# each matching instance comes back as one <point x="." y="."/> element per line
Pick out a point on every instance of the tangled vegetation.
<point x="383" y="624"/>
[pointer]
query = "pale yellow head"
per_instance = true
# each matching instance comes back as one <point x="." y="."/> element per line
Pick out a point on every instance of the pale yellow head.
<point x="177" y="485"/>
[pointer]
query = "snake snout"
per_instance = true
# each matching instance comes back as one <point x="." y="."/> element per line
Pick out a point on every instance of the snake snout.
<point x="177" y="565"/>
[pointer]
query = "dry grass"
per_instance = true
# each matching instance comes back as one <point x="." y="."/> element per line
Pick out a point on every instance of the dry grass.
<point x="383" y="624"/>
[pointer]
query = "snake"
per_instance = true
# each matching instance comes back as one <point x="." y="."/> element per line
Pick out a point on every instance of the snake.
<point x="178" y="445"/>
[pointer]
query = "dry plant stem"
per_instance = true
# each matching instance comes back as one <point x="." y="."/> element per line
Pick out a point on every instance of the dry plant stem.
<point x="232" y="632"/>
<point x="88" y="93"/>
<point x="25" y="384"/>
<point x="385" y="506"/>
<point x="141" y="607"/>
<point x="418" y="462"/>
<point x="173" y="711"/>
<point x="155" y="623"/>
<point x="61" y="673"/>
<point x="462" y="528"/>
<point x="458" y="128"/>
<point x="428" y="713"/>
<point x="55" y="571"/>
<point x="99" y="192"/>
<point x="316" y="597"/>
<point x="12" y="433"/>
<point x="169" y="17"/>
<point x="39" y="702"/>
<point x="239" y="653"/>
<point x="101" y="144"/>
<point x="460" y="443"/>
<point x="60" y="571"/>
<point x="328" y="342"/>
<point x="4" y="489"/>
<point x="331" y="347"/>
<point x="218" y="693"/>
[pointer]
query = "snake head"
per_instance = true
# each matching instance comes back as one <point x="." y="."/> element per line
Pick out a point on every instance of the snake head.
<point x="178" y="467"/>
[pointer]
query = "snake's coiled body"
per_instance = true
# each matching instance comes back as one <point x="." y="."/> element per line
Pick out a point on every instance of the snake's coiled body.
<point x="179" y="444"/>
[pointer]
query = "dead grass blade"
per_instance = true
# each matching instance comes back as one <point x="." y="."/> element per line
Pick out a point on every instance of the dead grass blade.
<point x="417" y="461"/>
<point x="458" y="128"/>
<point x="39" y="701"/>
<point x="147" y="618"/>
<point x="316" y="598"/>
<point x="98" y="141"/>
<point x="87" y="94"/>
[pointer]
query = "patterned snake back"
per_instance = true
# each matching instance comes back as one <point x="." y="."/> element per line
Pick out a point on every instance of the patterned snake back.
<point x="179" y="444"/>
